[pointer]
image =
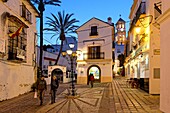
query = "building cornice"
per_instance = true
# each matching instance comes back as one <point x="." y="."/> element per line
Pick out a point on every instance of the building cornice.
<point x="163" y="17"/>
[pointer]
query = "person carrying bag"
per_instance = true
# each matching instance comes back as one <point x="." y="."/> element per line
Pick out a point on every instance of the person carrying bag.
<point x="41" y="87"/>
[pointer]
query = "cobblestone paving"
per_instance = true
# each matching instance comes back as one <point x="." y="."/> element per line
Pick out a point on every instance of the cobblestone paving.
<point x="115" y="97"/>
<point x="26" y="103"/>
<point x="128" y="100"/>
<point x="88" y="101"/>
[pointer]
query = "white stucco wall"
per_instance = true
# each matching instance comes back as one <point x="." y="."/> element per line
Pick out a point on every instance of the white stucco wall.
<point x="152" y="43"/>
<point x="164" y="21"/>
<point x="106" y="71"/>
<point x="165" y="64"/>
<point x="105" y="31"/>
<point x="16" y="78"/>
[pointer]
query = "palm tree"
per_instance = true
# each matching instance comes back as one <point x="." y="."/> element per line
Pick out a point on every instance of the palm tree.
<point x="61" y="25"/>
<point x="41" y="8"/>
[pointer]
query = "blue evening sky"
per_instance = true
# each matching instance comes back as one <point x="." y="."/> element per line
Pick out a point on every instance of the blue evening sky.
<point x="86" y="9"/>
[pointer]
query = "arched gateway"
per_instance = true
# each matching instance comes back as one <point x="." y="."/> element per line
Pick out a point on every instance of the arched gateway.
<point x="59" y="71"/>
<point x="96" y="71"/>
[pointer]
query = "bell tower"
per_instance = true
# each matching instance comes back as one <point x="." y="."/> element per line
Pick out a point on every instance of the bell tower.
<point x="120" y="32"/>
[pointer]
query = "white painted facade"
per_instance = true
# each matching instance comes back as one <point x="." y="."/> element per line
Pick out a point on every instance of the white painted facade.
<point x="16" y="67"/>
<point x="144" y="61"/>
<point x="87" y="44"/>
<point x="164" y="22"/>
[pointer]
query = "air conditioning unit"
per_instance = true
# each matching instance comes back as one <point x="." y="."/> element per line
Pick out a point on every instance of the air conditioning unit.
<point x="21" y="53"/>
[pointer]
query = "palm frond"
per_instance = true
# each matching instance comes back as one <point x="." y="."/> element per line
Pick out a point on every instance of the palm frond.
<point x="48" y="2"/>
<point x="35" y="1"/>
<point x="61" y="23"/>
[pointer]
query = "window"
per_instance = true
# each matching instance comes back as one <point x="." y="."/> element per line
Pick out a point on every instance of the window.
<point x="44" y="66"/>
<point x="17" y="40"/>
<point x="118" y="51"/>
<point x="94" y="52"/>
<point x="50" y="63"/>
<point x="25" y="13"/>
<point x="93" y="31"/>
<point x="156" y="73"/>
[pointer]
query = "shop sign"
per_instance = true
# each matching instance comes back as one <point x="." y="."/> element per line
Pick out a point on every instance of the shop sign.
<point x="156" y="51"/>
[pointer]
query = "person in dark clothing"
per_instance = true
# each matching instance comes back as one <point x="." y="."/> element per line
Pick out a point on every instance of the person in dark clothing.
<point x="54" y="87"/>
<point x="41" y="87"/>
<point x="91" y="80"/>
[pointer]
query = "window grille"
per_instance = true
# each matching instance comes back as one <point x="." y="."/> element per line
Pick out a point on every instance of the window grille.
<point x="16" y="44"/>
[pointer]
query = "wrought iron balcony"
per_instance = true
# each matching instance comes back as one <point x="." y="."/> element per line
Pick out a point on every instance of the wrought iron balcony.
<point x="99" y="55"/>
<point x="141" y="10"/>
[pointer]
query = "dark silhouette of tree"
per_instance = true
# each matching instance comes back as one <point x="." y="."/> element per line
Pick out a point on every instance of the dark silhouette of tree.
<point x="41" y="8"/>
<point x="61" y="25"/>
<point x="121" y="58"/>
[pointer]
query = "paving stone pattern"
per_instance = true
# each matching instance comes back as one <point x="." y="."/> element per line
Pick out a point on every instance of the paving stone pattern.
<point x="114" y="97"/>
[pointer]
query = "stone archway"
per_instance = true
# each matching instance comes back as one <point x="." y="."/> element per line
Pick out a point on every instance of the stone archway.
<point x="59" y="73"/>
<point x="96" y="71"/>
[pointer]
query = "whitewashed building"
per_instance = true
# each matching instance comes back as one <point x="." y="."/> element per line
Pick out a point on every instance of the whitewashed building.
<point x="163" y="23"/>
<point x="48" y="61"/>
<point x="63" y="67"/>
<point x="143" y="62"/>
<point x="95" y="40"/>
<point x="17" y="47"/>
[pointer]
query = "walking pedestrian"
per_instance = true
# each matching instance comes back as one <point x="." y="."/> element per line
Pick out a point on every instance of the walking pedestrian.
<point x="41" y="87"/>
<point x="54" y="87"/>
<point x="91" y="79"/>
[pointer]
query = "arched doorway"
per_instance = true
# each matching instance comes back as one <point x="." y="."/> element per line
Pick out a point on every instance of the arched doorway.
<point x="59" y="73"/>
<point x="96" y="71"/>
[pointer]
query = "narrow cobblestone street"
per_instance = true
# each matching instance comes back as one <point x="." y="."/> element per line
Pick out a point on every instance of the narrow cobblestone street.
<point x="115" y="97"/>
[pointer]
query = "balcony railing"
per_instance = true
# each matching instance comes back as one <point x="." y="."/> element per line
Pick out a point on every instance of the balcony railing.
<point x="141" y="10"/>
<point x="25" y="13"/>
<point x="99" y="55"/>
<point x="142" y="40"/>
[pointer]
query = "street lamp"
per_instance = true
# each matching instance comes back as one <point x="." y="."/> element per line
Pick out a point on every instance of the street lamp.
<point x="72" y="55"/>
